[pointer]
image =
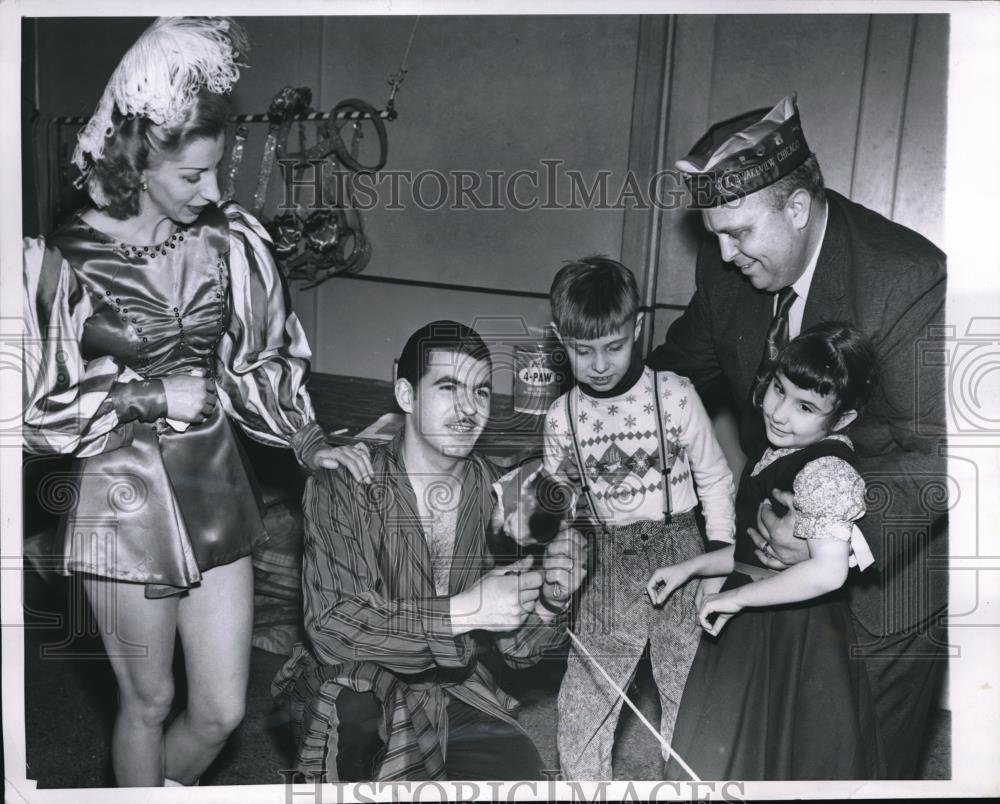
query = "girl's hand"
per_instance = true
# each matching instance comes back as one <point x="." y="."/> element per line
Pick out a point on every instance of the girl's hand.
<point x="706" y="587"/>
<point x="189" y="398"/>
<point x="723" y="605"/>
<point x="353" y="457"/>
<point x="664" y="581"/>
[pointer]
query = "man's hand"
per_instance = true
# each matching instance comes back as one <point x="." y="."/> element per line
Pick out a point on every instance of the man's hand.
<point x="499" y="601"/>
<point x="565" y="566"/>
<point x="355" y="458"/>
<point x="774" y="536"/>
<point x="664" y="581"/>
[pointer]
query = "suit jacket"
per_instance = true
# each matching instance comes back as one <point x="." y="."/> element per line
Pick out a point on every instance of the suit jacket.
<point x="890" y="283"/>
<point x="376" y="623"/>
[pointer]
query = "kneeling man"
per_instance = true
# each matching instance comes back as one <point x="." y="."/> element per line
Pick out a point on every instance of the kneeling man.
<point x="407" y="618"/>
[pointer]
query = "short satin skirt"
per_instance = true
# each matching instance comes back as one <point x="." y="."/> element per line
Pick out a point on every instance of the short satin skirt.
<point x="164" y="509"/>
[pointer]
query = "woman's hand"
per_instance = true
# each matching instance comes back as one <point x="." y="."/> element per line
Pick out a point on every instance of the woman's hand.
<point x="664" y="581"/>
<point x="189" y="398"/>
<point x="724" y="605"/>
<point x="354" y="458"/>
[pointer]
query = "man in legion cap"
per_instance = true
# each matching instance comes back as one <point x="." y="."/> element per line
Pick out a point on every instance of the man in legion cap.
<point x="785" y="253"/>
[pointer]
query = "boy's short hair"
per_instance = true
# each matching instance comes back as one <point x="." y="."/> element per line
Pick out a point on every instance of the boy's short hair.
<point x="593" y="297"/>
<point x="439" y="336"/>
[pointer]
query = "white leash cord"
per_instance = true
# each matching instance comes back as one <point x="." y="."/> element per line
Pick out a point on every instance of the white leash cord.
<point x="632" y="706"/>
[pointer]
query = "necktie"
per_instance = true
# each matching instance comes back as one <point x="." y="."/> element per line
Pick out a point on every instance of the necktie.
<point x="777" y="338"/>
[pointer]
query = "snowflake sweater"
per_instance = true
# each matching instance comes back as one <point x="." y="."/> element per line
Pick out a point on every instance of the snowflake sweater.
<point x="620" y="450"/>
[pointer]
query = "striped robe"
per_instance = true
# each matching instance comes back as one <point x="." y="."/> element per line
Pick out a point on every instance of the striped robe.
<point x="375" y="622"/>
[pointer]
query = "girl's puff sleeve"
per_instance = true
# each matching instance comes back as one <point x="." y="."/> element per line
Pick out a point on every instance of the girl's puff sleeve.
<point x="829" y="498"/>
<point x="69" y="402"/>
<point x="263" y="357"/>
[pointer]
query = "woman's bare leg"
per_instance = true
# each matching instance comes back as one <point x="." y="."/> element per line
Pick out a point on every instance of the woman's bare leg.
<point x="138" y="635"/>
<point x="215" y="621"/>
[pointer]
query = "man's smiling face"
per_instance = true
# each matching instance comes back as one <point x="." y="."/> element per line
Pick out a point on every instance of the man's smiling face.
<point x="765" y="243"/>
<point x="451" y="403"/>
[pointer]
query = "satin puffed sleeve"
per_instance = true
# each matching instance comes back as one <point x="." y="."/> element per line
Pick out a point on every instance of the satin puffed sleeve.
<point x="263" y="358"/>
<point x="71" y="405"/>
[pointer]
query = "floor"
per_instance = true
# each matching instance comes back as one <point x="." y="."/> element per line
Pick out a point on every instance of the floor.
<point x="70" y="695"/>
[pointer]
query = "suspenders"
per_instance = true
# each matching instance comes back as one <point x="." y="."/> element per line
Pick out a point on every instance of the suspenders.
<point x="665" y="465"/>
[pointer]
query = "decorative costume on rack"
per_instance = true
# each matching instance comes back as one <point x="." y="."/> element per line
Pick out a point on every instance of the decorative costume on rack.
<point x="330" y="240"/>
<point x="327" y="241"/>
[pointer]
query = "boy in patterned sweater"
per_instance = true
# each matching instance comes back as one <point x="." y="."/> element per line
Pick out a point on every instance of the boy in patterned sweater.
<point x="640" y="449"/>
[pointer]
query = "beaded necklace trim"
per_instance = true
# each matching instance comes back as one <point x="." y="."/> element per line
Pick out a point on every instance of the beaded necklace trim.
<point x="130" y="251"/>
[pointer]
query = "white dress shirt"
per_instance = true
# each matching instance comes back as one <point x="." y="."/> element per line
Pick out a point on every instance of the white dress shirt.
<point x="801" y="286"/>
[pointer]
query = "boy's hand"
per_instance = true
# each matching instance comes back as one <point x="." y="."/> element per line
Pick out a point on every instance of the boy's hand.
<point x="723" y="605"/>
<point x="665" y="581"/>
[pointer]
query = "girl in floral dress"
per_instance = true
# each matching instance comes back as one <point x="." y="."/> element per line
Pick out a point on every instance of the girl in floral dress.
<point x="774" y="692"/>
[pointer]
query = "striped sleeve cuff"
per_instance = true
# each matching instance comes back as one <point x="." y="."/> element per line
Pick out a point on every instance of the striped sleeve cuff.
<point x="305" y="441"/>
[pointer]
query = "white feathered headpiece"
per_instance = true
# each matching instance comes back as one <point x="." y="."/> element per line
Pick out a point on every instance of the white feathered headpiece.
<point x="160" y="75"/>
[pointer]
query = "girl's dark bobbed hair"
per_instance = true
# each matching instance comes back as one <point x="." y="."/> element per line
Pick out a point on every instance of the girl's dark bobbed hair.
<point x="832" y="358"/>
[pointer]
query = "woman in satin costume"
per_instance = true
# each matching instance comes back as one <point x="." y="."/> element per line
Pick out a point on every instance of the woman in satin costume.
<point x="156" y="321"/>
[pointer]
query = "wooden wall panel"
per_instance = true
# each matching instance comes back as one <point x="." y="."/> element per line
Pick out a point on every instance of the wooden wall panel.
<point x="690" y="100"/>
<point x="642" y="222"/>
<point x="488" y="93"/>
<point x="883" y="102"/>
<point x="364" y="325"/>
<point x="496" y="93"/>
<point x="919" y="198"/>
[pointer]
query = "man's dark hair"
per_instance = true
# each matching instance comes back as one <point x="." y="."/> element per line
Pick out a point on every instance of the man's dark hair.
<point x="439" y="336"/>
<point x="806" y="176"/>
